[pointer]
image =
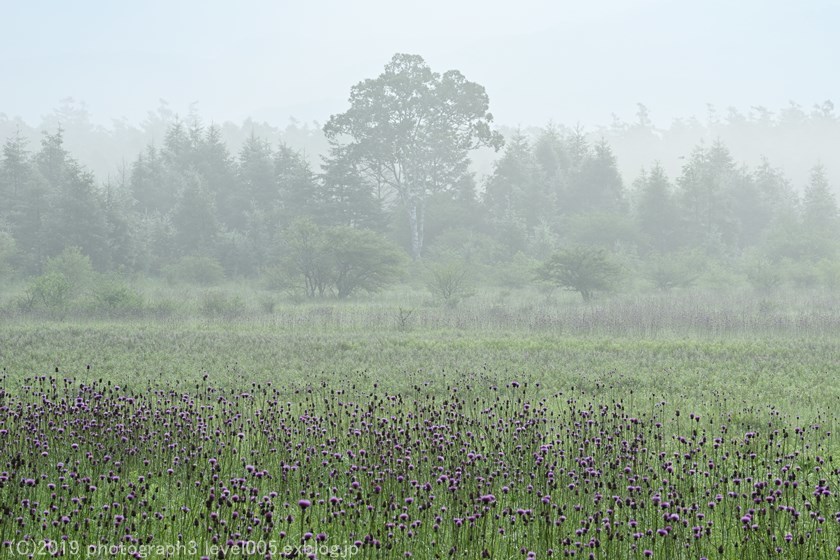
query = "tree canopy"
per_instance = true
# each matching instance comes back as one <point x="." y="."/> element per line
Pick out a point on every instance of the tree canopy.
<point x="211" y="201"/>
<point x="412" y="129"/>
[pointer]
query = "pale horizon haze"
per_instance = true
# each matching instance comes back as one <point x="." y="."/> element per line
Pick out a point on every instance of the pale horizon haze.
<point x="540" y="61"/>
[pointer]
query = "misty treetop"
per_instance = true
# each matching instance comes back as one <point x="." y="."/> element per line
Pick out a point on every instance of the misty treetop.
<point x="396" y="177"/>
<point x="411" y="129"/>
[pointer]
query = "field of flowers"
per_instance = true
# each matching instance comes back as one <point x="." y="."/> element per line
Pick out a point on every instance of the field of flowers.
<point x="135" y="439"/>
<point x="482" y="471"/>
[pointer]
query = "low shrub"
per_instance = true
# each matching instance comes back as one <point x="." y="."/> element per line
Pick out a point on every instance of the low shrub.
<point x="204" y="271"/>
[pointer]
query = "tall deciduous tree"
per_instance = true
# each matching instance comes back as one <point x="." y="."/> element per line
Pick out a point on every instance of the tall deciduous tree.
<point x="412" y="129"/>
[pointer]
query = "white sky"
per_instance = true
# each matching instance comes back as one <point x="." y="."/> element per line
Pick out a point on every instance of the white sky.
<point x="540" y="60"/>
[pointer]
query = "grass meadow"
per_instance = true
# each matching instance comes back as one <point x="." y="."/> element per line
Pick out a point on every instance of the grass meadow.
<point x="516" y="425"/>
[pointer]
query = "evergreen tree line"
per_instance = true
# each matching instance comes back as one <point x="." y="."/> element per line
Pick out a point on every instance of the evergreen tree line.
<point x="551" y="189"/>
<point x="792" y="137"/>
<point x="571" y="189"/>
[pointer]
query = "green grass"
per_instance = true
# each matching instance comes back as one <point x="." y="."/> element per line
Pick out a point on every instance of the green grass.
<point x="769" y="366"/>
<point x="794" y="374"/>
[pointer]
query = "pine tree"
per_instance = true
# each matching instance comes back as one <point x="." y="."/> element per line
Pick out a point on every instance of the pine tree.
<point x="148" y="183"/>
<point x="73" y="215"/>
<point x="347" y="198"/>
<point x="819" y="207"/>
<point x="656" y="212"/>
<point x="194" y="218"/>
<point x="706" y="187"/>
<point x="513" y="195"/>
<point x="298" y="194"/>
<point x="256" y="176"/>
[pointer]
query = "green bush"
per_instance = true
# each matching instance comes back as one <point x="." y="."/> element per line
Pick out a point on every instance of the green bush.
<point x="219" y="304"/>
<point x="268" y="304"/>
<point x="204" y="271"/>
<point x="51" y="291"/>
<point x="829" y="272"/>
<point x="580" y="269"/>
<point x="763" y="275"/>
<point x="163" y="308"/>
<point x="338" y="261"/>
<point x="277" y="279"/>
<point x="801" y="275"/>
<point x="673" y="270"/>
<point x="517" y="273"/>
<point x="115" y="297"/>
<point x="75" y="267"/>
<point x="449" y="281"/>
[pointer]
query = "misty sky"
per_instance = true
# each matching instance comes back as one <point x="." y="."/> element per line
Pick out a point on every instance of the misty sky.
<point x="546" y="60"/>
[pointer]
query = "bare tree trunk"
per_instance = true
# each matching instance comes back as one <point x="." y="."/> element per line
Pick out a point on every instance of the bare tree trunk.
<point x="416" y="222"/>
<point x="421" y="226"/>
